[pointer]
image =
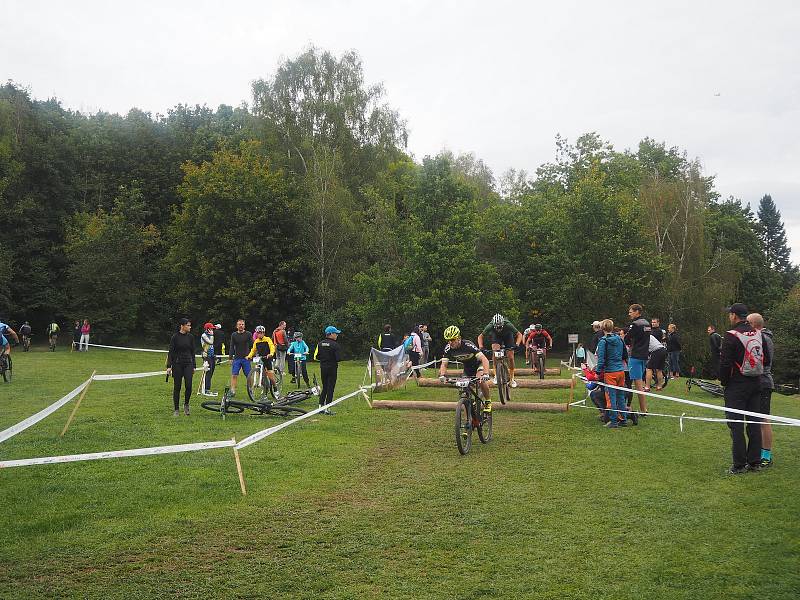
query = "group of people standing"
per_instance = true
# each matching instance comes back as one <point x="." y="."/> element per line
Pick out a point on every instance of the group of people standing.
<point x="417" y="343"/>
<point x="244" y="346"/>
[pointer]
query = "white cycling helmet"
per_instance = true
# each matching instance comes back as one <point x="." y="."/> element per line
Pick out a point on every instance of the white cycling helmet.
<point x="498" y="321"/>
<point x="260" y="329"/>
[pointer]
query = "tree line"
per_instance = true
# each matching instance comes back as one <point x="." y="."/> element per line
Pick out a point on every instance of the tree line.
<point x="303" y="204"/>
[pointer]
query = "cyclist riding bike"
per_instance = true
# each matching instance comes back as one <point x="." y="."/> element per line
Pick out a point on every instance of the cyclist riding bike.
<point x="6" y="332"/>
<point x="263" y="347"/>
<point x="539" y="338"/>
<point x="470" y="356"/>
<point x="502" y="334"/>
<point x="52" y="334"/>
<point x="25" y="332"/>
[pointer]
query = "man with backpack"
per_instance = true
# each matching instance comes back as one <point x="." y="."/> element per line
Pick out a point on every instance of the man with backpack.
<point x="741" y="365"/>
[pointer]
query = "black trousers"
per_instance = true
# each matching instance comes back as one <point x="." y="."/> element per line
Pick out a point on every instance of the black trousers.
<point x="303" y="370"/>
<point x="329" y="375"/>
<point x="744" y="395"/>
<point x="183" y="374"/>
<point x="210" y="373"/>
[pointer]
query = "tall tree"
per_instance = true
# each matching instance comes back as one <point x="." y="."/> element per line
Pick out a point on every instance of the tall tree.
<point x="773" y="235"/>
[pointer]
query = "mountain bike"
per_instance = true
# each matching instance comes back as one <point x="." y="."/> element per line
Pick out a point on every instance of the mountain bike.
<point x="503" y="375"/>
<point x="53" y="340"/>
<point x="283" y="407"/>
<point x="298" y="368"/>
<point x="470" y="413"/>
<point x="259" y="385"/>
<point x="26" y="343"/>
<point x="6" y="368"/>
<point x="707" y="386"/>
<point x="538" y="360"/>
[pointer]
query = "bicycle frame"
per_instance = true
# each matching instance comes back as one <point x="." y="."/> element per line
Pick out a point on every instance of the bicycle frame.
<point x="471" y="403"/>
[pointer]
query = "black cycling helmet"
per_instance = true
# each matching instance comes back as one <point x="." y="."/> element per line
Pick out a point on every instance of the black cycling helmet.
<point x="538" y="326"/>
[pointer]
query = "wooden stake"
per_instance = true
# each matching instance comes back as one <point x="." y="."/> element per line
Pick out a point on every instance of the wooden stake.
<point x="78" y="403"/>
<point x="572" y="390"/>
<point x="239" y="469"/>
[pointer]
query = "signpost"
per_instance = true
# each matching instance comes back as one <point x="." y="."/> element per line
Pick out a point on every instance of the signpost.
<point x="572" y="338"/>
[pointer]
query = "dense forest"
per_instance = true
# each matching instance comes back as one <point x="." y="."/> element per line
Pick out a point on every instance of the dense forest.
<point x="303" y="204"/>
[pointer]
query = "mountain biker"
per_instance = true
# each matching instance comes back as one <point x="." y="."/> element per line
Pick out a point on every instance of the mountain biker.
<point x="298" y="349"/>
<point x="25" y="332"/>
<point x="5" y="333"/>
<point x="502" y="333"/>
<point x="470" y="356"/>
<point x="539" y="338"/>
<point x="52" y="334"/>
<point x="263" y="347"/>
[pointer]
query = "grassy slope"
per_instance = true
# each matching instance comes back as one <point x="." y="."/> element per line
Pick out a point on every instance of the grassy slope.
<point x="379" y="504"/>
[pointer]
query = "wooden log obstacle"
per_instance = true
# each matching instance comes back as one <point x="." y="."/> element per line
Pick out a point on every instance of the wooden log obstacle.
<point x="451" y="406"/>
<point x="540" y="384"/>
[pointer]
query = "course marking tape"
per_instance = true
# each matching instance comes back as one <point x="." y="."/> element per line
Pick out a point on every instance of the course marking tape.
<point x="47" y="460"/>
<point x="775" y="419"/>
<point x="33" y="419"/>
<point x="260" y="435"/>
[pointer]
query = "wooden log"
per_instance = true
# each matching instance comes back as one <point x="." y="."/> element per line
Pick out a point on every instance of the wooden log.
<point x="517" y="372"/>
<point x="451" y="406"/>
<point x="539" y="384"/>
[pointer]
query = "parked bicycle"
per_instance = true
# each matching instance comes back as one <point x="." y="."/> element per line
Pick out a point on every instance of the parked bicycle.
<point x="283" y="407"/>
<point x="708" y="386"/>
<point x="259" y="385"/>
<point x="471" y="413"/>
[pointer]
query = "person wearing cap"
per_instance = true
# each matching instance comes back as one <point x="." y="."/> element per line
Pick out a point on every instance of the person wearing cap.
<point x="329" y="354"/>
<point x="298" y="350"/>
<point x="209" y="355"/>
<point x="181" y="364"/>
<point x="742" y="391"/>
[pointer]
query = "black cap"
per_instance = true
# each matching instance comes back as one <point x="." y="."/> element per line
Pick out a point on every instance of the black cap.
<point x="738" y="309"/>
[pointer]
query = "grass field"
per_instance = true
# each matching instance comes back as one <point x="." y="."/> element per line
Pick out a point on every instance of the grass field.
<point x="379" y="504"/>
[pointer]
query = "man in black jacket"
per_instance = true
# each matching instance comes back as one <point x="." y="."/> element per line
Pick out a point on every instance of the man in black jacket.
<point x="715" y="345"/>
<point x="742" y="391"/>
<point x="639" y="338"/>
<point x="329" y="354"/>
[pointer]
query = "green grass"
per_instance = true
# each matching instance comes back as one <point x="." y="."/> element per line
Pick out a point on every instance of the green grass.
<point x="379" y="504"/>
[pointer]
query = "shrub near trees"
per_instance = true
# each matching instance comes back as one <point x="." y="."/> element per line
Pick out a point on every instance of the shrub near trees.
<point x="306" y="206"/>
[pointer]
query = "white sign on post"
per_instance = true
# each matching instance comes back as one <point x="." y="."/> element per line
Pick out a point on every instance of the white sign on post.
<point x="573" y="338"/>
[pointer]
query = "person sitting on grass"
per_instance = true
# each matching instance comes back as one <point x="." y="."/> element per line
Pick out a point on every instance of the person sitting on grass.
<point x="298" y="349"/>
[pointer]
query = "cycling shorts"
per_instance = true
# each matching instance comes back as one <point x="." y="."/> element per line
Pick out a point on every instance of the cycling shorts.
<point x="657" y="359"/>
<point x="471" y="368"/>
<point x="637" y="367"/>
<point x="240" y="364"/>
<point x="3" y="341"/>
<point x="504" y="338"/>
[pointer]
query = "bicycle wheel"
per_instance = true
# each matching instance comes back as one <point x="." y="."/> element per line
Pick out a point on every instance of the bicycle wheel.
<point x="285" y="411"/>
<point x="256" y="382"/>
<point x="540" y="364"/>
<point x="504" y="384"/>
<point x="464" y="425"/>
<point x="4" y="370"/>
<point x="485" y="426"/>
<point x="216" y="406"/>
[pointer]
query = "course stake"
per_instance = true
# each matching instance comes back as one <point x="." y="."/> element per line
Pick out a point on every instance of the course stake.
<point x="78" y="403"/>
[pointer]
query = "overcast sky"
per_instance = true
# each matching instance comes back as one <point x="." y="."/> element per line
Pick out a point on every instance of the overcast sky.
<point x="719" y="79"/>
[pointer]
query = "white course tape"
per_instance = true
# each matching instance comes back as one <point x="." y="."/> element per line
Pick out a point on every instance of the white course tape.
<point x="126" y="348"/>
<point x="260" y="435"/>
<point x="775" y="419"/>
<point x="33" y="419"/>
<point x="47" y="460"/>
<point x="127" y="376"/>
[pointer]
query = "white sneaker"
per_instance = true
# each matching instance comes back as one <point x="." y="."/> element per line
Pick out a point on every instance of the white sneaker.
<point x="513" y="383"/>
<point x="494" y="381"/>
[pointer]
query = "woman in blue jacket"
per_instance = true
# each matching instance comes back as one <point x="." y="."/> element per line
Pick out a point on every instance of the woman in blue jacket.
<point x="298" y="349"/>
<point x="612" y="371"/>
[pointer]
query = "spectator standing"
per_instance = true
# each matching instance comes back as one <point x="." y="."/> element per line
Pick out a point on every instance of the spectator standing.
<point x="76" y="335"/>
<point x="655" y="364"/>
<point x="638" y="336"/>
<point x="415" y="351"/>
<point x="580" y="355"/>
<point x="657" y="332"/>
<point x="674" y="349"/>
<point x="219" y="342"/>
<point x="426" y="342"/>
<point x="209" y="357"/>
<point x="329" y="354"/>
<point x="742" y="382"/>
<point x="281" y="342"/>
<point x="85" y="329"/>
<point x="239" y="349"/>
<point x="181" y="364"/>
<point x="715" y="346"/>
<point x="597" y="335"/>
<point x="767" y="385"/>
<point x="612" y="370"/>
<point x="387" y="340"/>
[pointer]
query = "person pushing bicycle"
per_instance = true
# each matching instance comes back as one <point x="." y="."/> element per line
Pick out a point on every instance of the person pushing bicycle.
<point x="265" y="348"/>
<point x="501" y="333"/>
<point x="470" y="356"/>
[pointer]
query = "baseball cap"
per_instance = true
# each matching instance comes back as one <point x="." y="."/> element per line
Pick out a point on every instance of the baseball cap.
<point x="738" y="309"/>
<point x="596" y="323"/>
<point x="331" y="329"/>
<point x="208" y="326"/>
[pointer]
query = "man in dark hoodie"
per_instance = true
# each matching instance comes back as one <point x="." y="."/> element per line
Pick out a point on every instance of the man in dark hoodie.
<point x="741" y="365"/>
<point x="639" y="338"/>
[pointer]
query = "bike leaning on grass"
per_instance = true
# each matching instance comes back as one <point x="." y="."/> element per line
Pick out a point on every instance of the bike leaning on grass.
<point x="281" y="407"/>
<point x="472" y="413"/>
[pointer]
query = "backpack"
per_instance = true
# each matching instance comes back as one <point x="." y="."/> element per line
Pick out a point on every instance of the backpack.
<point x="753" y="362"/>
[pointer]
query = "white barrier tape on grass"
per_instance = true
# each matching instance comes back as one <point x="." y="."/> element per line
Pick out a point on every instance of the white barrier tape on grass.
<point x="126" y="348"/>
<point x="33" y="419"/>
<point x="260" y="435"/>
<point x="128" y="376"/>
<point x="48" y="460"/>
<point x="774" y="419"/>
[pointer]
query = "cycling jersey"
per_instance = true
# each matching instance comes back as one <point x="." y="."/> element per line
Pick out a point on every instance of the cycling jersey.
<point x="3" y="328"/>
<point x="540" y="339"/>
<point x="3" y="341"/>
<point x="53" y="329"/>
<point x="503" y="332"/>
<point x="25" y="330"/>
<point x="467" y="353"/>
<point x="262" y="346"/>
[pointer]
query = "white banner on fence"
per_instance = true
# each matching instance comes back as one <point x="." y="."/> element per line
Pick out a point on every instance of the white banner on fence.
<point x="33" y="419"/>
<point x="260" y="435"/>
<point x="47" y="460"/>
